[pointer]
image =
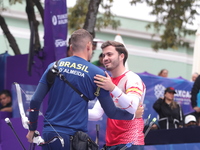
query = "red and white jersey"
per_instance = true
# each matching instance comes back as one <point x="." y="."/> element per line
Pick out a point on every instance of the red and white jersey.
<point x="127" y="131"/>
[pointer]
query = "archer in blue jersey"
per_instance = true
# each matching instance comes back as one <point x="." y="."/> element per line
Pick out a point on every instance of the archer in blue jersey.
<point x="67" y="112"/>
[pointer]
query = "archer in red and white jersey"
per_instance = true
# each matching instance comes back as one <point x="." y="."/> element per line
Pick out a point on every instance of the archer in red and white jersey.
<point x="128" y="91"/>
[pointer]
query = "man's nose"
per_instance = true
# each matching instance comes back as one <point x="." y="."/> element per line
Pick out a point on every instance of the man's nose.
<point x="105" y="57"/>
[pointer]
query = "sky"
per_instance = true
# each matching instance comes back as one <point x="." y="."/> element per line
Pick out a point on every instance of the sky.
<point x="140" y="11"/>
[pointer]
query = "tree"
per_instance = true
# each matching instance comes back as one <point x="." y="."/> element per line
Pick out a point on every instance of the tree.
<point x="32" y="20"/>
<point x="9" y="36"/>
<point x="6" y="31"/>
<point x="173" y="15"/>
<point x="90" y="20"/>
<point x="85" y="15"/>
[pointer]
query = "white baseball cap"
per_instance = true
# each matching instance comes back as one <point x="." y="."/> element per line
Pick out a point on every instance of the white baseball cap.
<point x="190" y="118"/>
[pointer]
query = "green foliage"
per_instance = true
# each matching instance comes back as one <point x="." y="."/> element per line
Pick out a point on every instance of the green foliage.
<point x="14" y="1"/>
<point x="11" y="2"/>
<point x="77" y="15"/>
<point x="107" y="18"/>
<point x="171" y="18"/>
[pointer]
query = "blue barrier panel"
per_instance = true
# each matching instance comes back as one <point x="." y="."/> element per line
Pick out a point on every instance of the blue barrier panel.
<point x="184" y="146"/>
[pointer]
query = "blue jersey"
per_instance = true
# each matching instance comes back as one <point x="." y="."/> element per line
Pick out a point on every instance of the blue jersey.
<point x="67" y="112"/>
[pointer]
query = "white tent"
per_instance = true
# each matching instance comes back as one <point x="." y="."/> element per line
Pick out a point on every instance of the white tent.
<point x="118" y="38"/>
<point x="196" y="53"/>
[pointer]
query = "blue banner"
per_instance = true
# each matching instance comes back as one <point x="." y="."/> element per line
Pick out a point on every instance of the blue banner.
<point x="55" y="23"/>
<point x="184" y="146"/>
<point x="156" y="86"/>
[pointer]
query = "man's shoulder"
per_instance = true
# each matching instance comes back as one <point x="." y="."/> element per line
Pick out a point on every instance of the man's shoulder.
<point x="96" y="69"/>
<point x="131" y="73"/>
<point x="132" y="76"/>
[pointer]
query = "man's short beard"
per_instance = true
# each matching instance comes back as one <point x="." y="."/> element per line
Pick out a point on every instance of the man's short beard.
<point x="109" y="69"/>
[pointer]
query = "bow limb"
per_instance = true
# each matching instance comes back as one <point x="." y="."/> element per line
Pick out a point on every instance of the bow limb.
<point x="21" y="108"/>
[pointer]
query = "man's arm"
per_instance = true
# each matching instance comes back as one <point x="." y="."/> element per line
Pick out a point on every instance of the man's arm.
<point x="110" y="109"/>
<point x="97" y="112"/>
<point x="128" y="101"/>
<point x="40" y="93"/>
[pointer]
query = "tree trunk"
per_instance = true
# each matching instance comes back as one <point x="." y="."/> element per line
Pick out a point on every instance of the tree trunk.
<point x="9" y="36"/>
<point x="90" y="20"/>
<point x="40" y="9"/>
<point x="31" y="18"/>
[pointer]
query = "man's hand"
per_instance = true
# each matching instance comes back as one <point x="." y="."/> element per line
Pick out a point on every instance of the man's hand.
<point x="30" y="135"/>
<point x="197" y="109"/>
<point x="139" y="112"/>
<point x="104" y="82"/>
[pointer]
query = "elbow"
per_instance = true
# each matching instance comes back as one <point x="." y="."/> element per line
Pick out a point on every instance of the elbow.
<point x="131" y="110"/>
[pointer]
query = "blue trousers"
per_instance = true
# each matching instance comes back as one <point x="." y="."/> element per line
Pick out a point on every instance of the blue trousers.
<point x="55" y="145"/>
<point x="133" y="147"/>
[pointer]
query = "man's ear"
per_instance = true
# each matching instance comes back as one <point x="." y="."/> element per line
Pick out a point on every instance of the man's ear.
<point x="122" y="56"/>
<point x="89" y="46"/>
<point x="70" y="47"/>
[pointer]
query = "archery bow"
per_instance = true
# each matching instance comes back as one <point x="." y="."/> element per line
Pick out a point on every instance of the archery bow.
<point x="36" y="139"/>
